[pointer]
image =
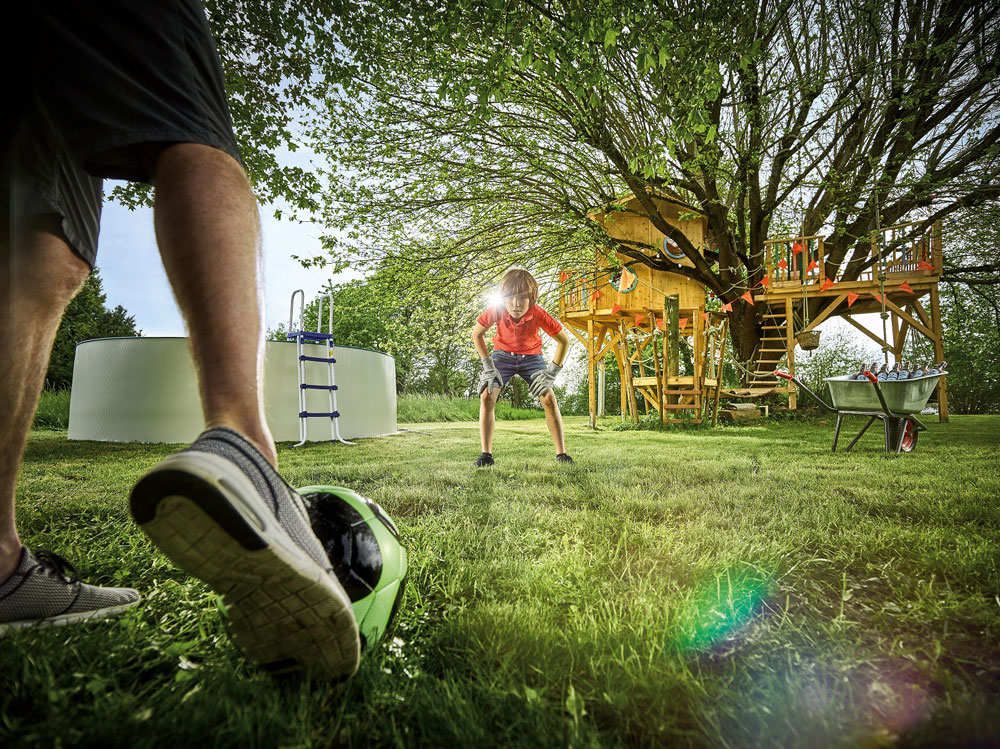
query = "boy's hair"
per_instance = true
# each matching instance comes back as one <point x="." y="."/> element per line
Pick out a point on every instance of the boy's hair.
<point x="518" y="281"/>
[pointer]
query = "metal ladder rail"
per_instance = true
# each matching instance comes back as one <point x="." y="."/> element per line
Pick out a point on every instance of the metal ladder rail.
<point x="301" y="336"/>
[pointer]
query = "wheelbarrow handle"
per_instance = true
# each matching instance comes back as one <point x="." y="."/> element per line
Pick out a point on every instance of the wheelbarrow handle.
<point x="871" y="378"/>
<point x="786" y="376"/>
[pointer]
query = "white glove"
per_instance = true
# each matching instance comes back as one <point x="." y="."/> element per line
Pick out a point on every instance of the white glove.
<point x="490" y="378"/>
<point x="544" y="379"/>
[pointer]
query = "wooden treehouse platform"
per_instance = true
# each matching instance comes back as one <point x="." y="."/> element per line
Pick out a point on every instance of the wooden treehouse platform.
<point x="670" y="349"/>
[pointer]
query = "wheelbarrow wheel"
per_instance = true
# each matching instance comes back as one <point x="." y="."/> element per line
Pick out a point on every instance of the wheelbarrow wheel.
<point x="909" y="442"/>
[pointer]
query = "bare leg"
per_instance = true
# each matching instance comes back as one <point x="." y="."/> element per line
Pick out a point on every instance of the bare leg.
<point x="208" y="233"/>
<point x="43" y="275"/>
<point x="553" y="420"/>
<point x="487" y="418"/>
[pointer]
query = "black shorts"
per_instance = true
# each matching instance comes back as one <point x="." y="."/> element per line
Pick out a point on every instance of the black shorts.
<point x="93" y="82"/>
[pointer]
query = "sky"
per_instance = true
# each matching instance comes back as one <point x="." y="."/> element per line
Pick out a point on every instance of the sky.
<point x="133" y="276"/>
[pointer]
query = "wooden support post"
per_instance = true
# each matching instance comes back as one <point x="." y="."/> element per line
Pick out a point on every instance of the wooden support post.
<point x="697" y="344"/>
<point x="591" y="374"/>
<point x="621" y="380"/>
<point x="718" y="371"/>
<point x="938" y="340"/>
<point x="790" y="344"/>
<point x="659" y="380"/>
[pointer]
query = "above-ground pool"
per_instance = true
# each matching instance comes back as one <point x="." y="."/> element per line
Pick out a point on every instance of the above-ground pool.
<point x="144" y="390"/>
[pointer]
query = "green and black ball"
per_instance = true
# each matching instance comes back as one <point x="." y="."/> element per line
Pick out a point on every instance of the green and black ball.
<point x="364" y="549"/>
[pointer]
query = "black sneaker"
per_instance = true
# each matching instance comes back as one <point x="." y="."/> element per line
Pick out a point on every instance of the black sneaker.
<point x="44" y="591"/>
<point x="220" y="511"/>
<point x="563" y="458"/>
<point x="485" y="459"/>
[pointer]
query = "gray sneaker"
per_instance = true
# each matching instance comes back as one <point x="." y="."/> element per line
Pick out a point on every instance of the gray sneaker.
<point x="44" y="591"/>
<point x="220" y="511"/>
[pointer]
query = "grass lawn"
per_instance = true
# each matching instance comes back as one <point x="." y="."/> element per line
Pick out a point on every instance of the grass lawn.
<point x="728" y="587"/>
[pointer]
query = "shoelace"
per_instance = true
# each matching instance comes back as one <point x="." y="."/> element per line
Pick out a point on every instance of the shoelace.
<point x="53" y="563"/>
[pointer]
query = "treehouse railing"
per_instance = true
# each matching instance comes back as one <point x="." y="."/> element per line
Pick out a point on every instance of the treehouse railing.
<point x="794" y="261"/>
<point x="903" y="249"/>
<point x="577" y="287"/>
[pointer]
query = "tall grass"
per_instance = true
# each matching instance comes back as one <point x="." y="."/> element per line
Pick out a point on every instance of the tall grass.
<point x="53" y="409"/>
<point x="414" y="409"/>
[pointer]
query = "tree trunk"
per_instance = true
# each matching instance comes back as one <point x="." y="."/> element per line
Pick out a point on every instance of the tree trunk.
<point x="745" y="335"/>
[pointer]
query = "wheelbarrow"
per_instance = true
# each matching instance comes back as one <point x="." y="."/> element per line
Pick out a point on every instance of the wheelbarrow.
<point x="893" y="401"/>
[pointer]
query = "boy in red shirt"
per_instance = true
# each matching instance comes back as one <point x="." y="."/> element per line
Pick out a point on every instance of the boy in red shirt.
<point x="517" y="350"/>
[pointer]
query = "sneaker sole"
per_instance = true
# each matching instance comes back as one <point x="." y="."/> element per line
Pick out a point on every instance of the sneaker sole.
<point x="63" y="620"/>
<point x="285" y="611"/>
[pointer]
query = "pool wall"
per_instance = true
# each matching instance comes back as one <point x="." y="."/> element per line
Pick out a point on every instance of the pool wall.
<point x="145" y="390"/>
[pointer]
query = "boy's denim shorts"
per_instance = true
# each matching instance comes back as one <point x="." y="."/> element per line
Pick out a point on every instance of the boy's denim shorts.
<point x="509" y="364"/>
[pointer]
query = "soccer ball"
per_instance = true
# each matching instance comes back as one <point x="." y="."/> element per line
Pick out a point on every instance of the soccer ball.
<point x="365" y="552"/>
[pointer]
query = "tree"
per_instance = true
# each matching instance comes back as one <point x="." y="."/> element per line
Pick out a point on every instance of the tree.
<point x="484" y="133"/>
<point x="423" y="322"/>
<point x="970" y="312"/>
<point x="86" y="317"/>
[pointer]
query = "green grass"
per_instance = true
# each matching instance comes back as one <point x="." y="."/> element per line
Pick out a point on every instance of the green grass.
<point x="436" y="408"/>
<point x="728" y="587"/>
<point x="53" y="409"/>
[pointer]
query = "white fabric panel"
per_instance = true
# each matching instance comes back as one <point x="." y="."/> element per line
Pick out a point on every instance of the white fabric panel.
<point x="145" y="390"/>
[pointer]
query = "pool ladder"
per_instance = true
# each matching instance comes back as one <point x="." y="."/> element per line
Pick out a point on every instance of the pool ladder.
<point x="301" y="336"/>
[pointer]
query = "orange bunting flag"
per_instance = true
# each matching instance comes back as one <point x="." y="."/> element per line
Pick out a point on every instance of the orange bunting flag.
<point x="796" y="248"/>
<point x="639" y="319"/>
<point x="615" y="308"/>
<point x="704" y="316"/>
<point x="682" y="322"/>
<point x="563" y="275"/>
<point x="659" y="322"/>
<point x="827" y="284"/>
<point x="906" y="287"/>
<point x="814" y="264"/>
<point x="850" y="298"/>
<point x="626" y="280"/>
<point x="727" y="307"/>
<point x="924" y="265"/>
<point x="596" y="295"/>
<point x="877" y="296"/>
<point x="764" y="281"/>
<point x="748" y="296"/>
<point x="782" y="263"/>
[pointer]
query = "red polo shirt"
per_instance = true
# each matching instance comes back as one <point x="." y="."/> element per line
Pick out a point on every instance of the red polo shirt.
<point x="519" y="336"/>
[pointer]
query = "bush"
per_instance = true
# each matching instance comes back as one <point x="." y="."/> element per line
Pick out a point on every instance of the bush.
<point x="53" y="409"/>
<point x="412" y="409"/>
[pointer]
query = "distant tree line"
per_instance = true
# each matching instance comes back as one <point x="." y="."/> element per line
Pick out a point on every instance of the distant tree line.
<point x="86" y="317"/>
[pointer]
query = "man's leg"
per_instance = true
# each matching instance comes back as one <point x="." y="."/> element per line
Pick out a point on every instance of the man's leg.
<point x="209" y="238"/>
<point x="44" y="275"/>
<point x="218" y="509"/>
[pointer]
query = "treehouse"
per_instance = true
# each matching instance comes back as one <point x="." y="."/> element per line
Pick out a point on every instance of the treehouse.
<point x="898" y="278"/>
<point x="667" y="347"/>
<point x="670" y="350"/>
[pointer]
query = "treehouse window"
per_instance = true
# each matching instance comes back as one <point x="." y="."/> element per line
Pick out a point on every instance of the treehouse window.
<point x="672" y="249"/>
<point x="624" y="280"/>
